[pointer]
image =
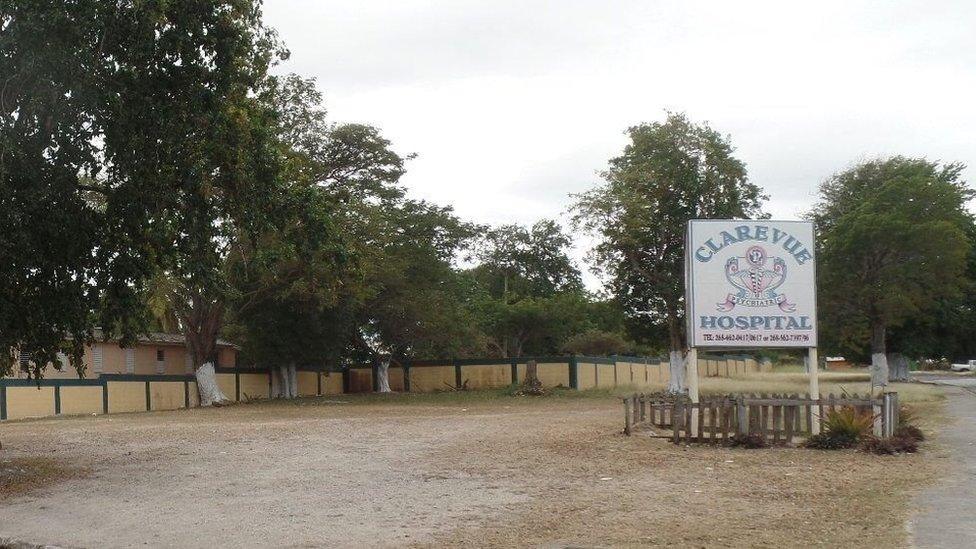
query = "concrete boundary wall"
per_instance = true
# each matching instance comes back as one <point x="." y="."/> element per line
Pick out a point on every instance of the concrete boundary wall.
<point x="120" y="393"/>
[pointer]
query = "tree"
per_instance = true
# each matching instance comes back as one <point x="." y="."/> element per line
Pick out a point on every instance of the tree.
<point x="416" y="307"/>
<point x="892" y="242"/>
<point x="518" y="262"/>
<point x="946" y="329"/>
<point x="669" y="173"/>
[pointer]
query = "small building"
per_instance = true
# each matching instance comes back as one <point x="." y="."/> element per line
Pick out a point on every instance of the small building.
<point x="837" y="363"/>
<point x="154" y="353"/>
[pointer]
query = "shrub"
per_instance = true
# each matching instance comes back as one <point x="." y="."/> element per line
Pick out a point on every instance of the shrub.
<point x="909" y="432"/>
<point x="848" y="422"/>
<point x="827" y="441"/>
<point x="888" y="446"/>
<point x="750" y="441"/>
<point x="843" y="428"/>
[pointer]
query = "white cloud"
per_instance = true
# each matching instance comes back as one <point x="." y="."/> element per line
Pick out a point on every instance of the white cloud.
<point x="511" y="105"/>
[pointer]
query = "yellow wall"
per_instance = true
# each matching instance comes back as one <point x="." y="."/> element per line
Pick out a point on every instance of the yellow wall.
<point x="554" y="374"/>
<point x="30" y="402"/>
<point x="166" y="395"/>
<point x="361" y="380"/>
<point x="586" y="375"/>
<point x="227" y="384"/>
<point x="81" y="400"/>
<point x="605" y="375"/>
<point x="194" y="395"/>
<point x="254" y="386"/>
<point x="431" y="378"/>
<point x="307" y="384"/>
<point x="126" y="396"/>
<point x="331" y="383"/>
<point x="484" y="376"/>
<point x="396" y="379"/>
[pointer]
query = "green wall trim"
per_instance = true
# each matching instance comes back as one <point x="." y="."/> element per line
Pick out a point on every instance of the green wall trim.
<point x="57" y="400"/>
<point x="573" y="373"/>
<point x="186" y="394"/>
<point x="69" y="382"/>
<point x="3" y="402"/>
<point x="148" y="398"/>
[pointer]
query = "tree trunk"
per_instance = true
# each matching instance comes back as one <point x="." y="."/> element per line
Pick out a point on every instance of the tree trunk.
<point x="284" y="382"/>
<point x="677" y="368"/>
<point x="879" y="361"/>
<point x="897" y="367"/>
<point x="383" y="376"/>
<point x="531" y="372"/>
<point x="676" y="356"/>
<point x="210" y="393"/>
<point x="277" y="382"/>
<point x="291" y="374"/>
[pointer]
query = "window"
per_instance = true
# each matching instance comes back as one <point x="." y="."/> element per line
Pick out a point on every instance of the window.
<point x="160" y="361"/>
<point x="160" y="355"/>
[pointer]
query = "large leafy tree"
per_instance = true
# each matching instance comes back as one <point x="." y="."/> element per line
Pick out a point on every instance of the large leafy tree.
<point x="892" y="243"/>
<point x="669" y="173"/>
<point x="138" y="122"/>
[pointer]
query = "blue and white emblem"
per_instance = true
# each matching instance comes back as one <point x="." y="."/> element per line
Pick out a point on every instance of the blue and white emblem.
<point x="755" y="281"/>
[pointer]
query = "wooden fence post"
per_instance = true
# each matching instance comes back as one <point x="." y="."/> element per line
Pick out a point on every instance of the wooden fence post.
<point x="741" y="416"/>
<point x="628" y="417"/>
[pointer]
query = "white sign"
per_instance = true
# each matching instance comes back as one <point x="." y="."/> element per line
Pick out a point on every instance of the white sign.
<point x="751" y="283"/>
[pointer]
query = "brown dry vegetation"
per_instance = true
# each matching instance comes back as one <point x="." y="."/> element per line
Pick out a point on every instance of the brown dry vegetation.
<point x="22" y="474"/>
<point x="476" y="469"/>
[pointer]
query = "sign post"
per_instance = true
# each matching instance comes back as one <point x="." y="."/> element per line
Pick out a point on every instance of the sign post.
<point x="750" y="284"/>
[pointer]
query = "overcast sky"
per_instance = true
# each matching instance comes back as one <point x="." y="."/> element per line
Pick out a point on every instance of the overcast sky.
<point x="512" y="105"/>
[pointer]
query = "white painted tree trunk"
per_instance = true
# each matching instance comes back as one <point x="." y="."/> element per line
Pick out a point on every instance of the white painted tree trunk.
<point x="677" y="368"/>
<point x="210" y="393"/>
<point x="383" y="377"/>
<point x="291" y="374"/>
<point x="277" y="383"/>
<point x="284" y="382"/>
<point x="879" y="369"/>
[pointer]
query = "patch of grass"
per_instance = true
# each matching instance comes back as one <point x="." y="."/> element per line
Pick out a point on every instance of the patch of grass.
<point x="19" y="475"/>
<point x="501" y="395"/>
<point x="830" y="382"/>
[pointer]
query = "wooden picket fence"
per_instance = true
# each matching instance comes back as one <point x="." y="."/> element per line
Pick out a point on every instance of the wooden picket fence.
<point x="779" y="419"/>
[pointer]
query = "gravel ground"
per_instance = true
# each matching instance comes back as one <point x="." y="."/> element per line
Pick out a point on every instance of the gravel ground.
<point x="550" y="472"/>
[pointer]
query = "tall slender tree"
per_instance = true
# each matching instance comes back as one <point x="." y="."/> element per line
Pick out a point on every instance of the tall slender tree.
<point x="669" y="173"/>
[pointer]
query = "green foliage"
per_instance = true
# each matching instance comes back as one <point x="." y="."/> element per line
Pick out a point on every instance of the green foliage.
<point x="842" y="428"/>
<point x="131" y="143"/>
<point x="596" y="343"/>
<point x="892" y="243"/>
<point x="669" y="173"/>
<point x="518" y="262"/>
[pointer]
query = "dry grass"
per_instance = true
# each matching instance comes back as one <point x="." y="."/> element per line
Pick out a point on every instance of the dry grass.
<point x="23" y="474"/>
<point x="830" y="382"/>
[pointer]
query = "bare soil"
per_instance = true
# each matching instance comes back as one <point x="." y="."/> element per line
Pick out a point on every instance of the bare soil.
<point x="354" y="472"/>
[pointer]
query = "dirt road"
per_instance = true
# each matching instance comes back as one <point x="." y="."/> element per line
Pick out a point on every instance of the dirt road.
<point x="529" y="473"/>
